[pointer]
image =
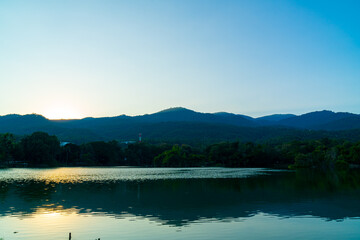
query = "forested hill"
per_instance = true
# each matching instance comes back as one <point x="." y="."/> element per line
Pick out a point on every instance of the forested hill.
<point x="180" y="124"/>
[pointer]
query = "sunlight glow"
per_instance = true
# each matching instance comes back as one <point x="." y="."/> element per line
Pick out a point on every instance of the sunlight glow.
<point x="52" y="214"/>
<point x="61" y="112"/>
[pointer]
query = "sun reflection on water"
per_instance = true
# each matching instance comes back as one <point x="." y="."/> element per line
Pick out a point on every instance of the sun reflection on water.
<point x="111" y="174"/>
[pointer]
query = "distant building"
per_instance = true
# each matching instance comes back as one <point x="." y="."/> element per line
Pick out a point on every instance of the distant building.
<point x="128" y="142"/>
<point x="63" y="144"/>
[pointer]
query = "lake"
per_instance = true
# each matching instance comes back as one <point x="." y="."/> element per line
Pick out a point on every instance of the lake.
<point x="178" y="203"/>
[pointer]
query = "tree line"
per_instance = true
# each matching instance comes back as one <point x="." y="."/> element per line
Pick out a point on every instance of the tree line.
<point x="42" y="150"/>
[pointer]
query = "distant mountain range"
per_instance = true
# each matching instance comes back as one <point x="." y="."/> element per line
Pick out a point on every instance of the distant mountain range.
<point x="185" y="124"/>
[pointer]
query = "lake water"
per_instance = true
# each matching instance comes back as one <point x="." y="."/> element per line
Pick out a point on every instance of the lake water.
<point x="178" y="203"/>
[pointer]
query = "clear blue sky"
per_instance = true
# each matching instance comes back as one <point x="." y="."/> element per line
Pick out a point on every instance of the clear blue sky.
<point x="80" y="58"/>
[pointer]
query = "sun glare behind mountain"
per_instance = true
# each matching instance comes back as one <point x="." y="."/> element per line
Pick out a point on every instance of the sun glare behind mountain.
<point x="61" y="112"/>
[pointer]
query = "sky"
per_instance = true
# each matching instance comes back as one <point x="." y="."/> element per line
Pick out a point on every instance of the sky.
<point x="74" y="59"/>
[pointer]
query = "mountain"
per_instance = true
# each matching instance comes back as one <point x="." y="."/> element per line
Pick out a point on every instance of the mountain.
<point x="27" y="124"/>
<point x="186" y="115"/>
<point x="315" y="120"/>
<point x="19" y="124"/>
<point x="275" y="117"/>
<point x="352" y="121"/>
<point x="189" y="126"/>
<point x="226" y="114"/>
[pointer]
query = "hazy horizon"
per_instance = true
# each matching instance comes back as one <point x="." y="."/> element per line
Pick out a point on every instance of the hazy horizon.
<point x="297" y="114"/>
<point x="75" y="59"/>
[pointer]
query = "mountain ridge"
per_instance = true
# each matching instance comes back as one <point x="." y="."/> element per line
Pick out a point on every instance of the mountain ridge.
<point x="170" y="123"/>
<point x="274" y="117"/>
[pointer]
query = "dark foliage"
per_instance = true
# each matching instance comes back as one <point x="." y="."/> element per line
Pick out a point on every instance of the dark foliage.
<point x="40" y="149"/>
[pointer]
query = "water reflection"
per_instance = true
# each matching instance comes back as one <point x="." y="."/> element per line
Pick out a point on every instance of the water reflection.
<point x="179" y="202"/>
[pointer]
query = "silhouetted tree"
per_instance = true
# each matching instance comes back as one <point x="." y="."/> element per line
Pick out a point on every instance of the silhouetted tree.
<point x="40" y="149"/>
<point x="7" y="147"/>
<point x="70" y="155"/>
